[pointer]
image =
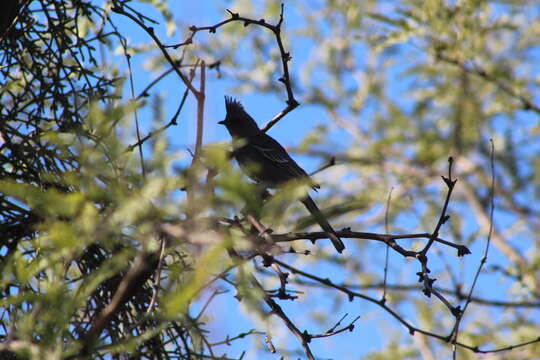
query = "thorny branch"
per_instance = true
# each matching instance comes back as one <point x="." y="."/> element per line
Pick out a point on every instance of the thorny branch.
<point x="303" y="337"/>
<point x="411" y="328"/>
<point x="292" y="103"/>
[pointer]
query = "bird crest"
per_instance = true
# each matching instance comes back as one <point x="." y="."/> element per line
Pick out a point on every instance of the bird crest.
<point x="232" y="105"/>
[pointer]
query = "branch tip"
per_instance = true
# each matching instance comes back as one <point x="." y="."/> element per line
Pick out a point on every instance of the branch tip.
<point x="233" y="14"/>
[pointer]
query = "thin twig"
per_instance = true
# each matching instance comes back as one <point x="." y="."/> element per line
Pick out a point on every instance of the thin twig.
<point x="443" y="218"/>
<point x="333" y="331"/>
<point x="135" y="111"/>
<point x="330" y="163"/>
<point x="157" y="277"/>
<point x="386" y="230"/>
<point x="154" y="82"/>
<point x="200" y="111"/>
<point x="228" y="340"/>
<point x="455" y="330"/>
<point x="172" y="122"/>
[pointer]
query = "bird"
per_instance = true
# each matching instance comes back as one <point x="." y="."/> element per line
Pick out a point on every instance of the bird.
<point x="264" y="160"/>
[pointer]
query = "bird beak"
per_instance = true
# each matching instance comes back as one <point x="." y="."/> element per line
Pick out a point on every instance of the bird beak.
<point x="222" y="122"/>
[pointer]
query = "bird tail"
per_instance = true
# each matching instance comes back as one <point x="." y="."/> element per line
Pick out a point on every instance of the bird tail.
<point x="319" y="217"/>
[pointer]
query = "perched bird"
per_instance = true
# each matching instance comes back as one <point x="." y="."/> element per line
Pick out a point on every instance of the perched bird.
<point x="266" y="161"/>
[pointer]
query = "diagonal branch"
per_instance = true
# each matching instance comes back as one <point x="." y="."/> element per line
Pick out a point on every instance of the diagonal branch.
<point x="150" y="31"/>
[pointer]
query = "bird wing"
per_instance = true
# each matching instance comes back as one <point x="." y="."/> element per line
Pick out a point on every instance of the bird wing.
<point x="273" y="151"/>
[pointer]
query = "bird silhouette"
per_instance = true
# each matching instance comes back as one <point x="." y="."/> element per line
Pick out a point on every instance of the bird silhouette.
<point x="264" y="160"/>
